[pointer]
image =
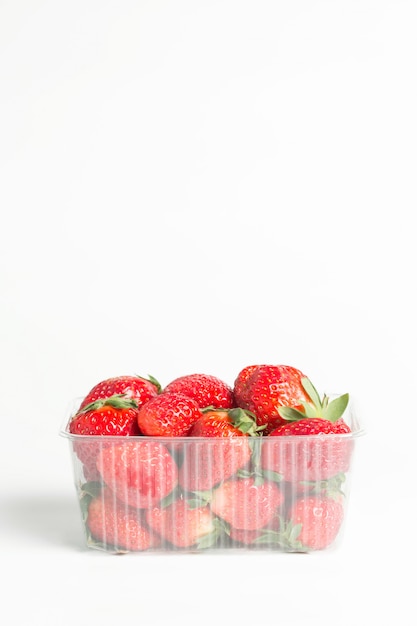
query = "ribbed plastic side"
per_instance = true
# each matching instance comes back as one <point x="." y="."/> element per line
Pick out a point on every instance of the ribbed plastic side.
<point x="142" y="494"/>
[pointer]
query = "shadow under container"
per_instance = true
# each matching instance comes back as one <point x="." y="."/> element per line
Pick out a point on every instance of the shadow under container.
<point x="190" y="494"/>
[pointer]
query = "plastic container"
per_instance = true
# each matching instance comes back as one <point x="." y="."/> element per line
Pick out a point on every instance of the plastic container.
<point x="152" y="494"/>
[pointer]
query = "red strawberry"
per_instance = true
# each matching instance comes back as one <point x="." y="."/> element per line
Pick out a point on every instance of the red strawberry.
<point x="244" y="504"/>
<point x="207" y="464"/>
<point x="168" y="415"/>
<point x="246" y="537"/>
<point x="139" y="471"/>
<point x="306" y="456"/>
<point x="268" y="387"/>
<point x="225" y="423"/>
<point x="108" y="416"/>
<point x="135" y="387"/>
<point x="206" y="390"/>
<point x="249" y="537"/>
<point x="116" y="415"/>
<point x="87" y="453"/>
<point x="182" y="525"/>
<point x="240" y="386"/>
<point x="320" y="519"/>
<point x="113" y="524"/>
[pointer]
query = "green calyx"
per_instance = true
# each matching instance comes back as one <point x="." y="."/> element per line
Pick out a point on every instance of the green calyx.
<point x="245" y="421"/>
<point x="330" y="487"/>
<point x="89" y="491"/>
<point x="220" y="530"/>
<point x="285" y="538"/>
<point x="242" y="419"/>
<point x="152" y="380"/>
<point x="199" y="499"/>
<point x="323" y="408"/>
<point x="119" y="401"/>
<point x="255" y="469"/>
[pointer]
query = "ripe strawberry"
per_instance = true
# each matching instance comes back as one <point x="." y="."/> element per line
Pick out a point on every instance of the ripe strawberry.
<point x="240" y="387"/>
<point x="206" y="390"/>
<point x="268" y="387"/>
<point x="111" y="523"/>
<point x="234" y="422"/>
<point x="320" y="519"/>
<point x="168" y="415"/>
<point x="304" y="457"/>
<point x="134" y="387"/>
<point x="116" y="415"/>
<point x="307" y="458"/>
<point x="249" y="537"/>
<point x="244" y="504"/>
<point x="140" y="472"/>
<point x="182" y="525"/>
<point x="207" y="464"/>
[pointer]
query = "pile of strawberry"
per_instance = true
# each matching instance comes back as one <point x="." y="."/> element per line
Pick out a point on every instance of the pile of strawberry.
<point x="246" y="471"/>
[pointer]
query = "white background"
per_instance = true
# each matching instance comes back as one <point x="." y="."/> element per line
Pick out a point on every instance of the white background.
<point x="195" y="186"/>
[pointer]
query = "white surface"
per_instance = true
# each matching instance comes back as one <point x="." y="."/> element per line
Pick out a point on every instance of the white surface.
<point x="197" y="186"/>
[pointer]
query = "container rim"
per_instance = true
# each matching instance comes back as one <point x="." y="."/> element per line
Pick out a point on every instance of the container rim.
<point x="123" y="438"/>
<point x="357" y="430"/>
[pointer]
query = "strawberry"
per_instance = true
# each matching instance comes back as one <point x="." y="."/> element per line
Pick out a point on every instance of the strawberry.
<point x="246" y="504"/>
<point x="184" y="526"/>
<point x="234" y="422"/>
<point x="331" y="487"/>
<point x="140" y="472"/>
<point x="111" y="523"/>
<point x="135" y="387"/>
<point x="319" y="520"/>
<point x="116" y="415"/>
<point x="168" y="415"/>
<point x="206" y="390"/>
<point x="240" y="386"/>
<point x="207" y="464"/>
<point x="249" y="537"/>
<point x="263" y="389"/>
<point x="317" y="448"/>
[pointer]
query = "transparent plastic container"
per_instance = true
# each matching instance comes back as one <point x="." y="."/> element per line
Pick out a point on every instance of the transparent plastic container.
<point x="191" y="494"/>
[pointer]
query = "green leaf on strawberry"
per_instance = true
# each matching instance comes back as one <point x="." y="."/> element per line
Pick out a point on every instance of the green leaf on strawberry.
<point x="245" y="421"/>
<point x="153" y="380"/>
<point x="318" y="407"/>
<point x="170" y="498"/>
<point x="92" y="488"/>
<point x="239" y="418"/>
<point x="118" y="401"/>
<point x="244" y="473"/>
<point x="331" y="487"/>
<point x="271" y="475"/>
<point x="88" y="491"/>
<point x="285" y="538"/>
<point x="221" y="529"/>
<point x="200" y="498"/>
